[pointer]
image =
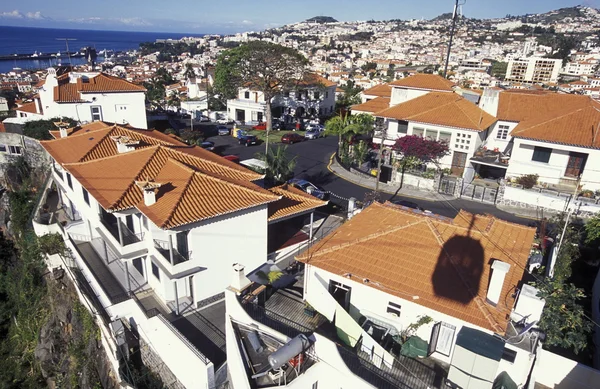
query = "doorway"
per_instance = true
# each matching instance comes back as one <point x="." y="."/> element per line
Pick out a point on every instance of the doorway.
<point x="459" y="161"/>
<point x="341" y="293"/>
<point x="182" y="244"/>
<point x="240" y="115"/>
<point x="575" y="165"/>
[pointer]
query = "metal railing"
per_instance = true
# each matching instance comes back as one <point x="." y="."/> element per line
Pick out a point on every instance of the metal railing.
<point x="185" y="341"/>
<point x="163" y="248"/>
<point x="129" y="237"/>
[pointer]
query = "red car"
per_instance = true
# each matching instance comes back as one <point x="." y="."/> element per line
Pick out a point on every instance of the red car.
<point x="232" y="158"/>
<point x="260" y="126"/>
<point x="292" y="138"/>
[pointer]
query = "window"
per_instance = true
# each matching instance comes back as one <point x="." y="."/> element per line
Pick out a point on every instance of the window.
<point x="298" y="95"/>
<point x="418" y="131"/>
<point x="155" y="271"/>
<point x="145" y="222"/>
<point x="96" y="112"/>
<point x="502" y="132"/>
<point x="86" y="196"/>
<point x="432" y="134"/>
<point x="394" y="309"/>
<point x="445" y="136"/>
<point x="69" y="181"/>
<point x="541" y="154"/>
<point x="442" y="337"/>
<point x="317" y="95"/>
<point x="15" y="150"/>
<point x="2" y="148"/>
<point x="327" y="94"/>
<point x="246" y="95"/>
<point x="509" y="355"/>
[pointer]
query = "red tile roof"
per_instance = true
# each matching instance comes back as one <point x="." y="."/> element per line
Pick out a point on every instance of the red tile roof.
<point x="438" y="263"/>
<point x="293" y="202"/>
<point x="425" y="81"/>
<point x="28" y="107"/>
<point x="67" y="92"/>
<point x="374" y="105"/>
<point x="381" y="90"/>
<point x="441" y="108"/>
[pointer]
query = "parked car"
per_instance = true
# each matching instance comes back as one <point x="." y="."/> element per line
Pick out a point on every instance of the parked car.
<point x="309" y="188"/>
<point x="224" y="120"/>
<point x="315" y="132"/>
<point x="232" y="158"/>
<point x="408" y="204"/>
<point x="292" y="138"/>
<point x="210" y="146"/>
<point x="203" y="118"/>
<point x="314" y="126"/>
<point x="223" y="130"/>
<point x="262" y="126"/>
<point x="248" y="140"/>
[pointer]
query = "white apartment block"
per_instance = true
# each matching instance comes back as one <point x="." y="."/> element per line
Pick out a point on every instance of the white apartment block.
<point x="533" y="70"/>
<point x="87" y="97"/>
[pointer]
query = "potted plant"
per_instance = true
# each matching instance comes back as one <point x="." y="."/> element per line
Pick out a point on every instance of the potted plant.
<point x="586" y="193"/>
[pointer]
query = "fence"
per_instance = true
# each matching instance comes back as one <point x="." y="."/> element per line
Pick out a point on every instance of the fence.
<point x="447" y="186"/>
<point x="479" y="192"/>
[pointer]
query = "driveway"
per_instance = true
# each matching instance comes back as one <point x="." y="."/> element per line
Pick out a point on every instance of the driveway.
<point x="313" y="157"/>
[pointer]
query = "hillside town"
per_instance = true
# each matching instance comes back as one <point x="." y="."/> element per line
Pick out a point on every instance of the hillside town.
<point x="405" y="204"/>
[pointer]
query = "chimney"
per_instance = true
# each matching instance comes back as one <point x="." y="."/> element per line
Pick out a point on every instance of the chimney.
<point x="63" y="128"/>
<point x="239" y="281"/>
<point x="489" y="101"/>
<point x="499" y="270"/>
<point x="149" y="188"/>
<point x="125" y="143"/>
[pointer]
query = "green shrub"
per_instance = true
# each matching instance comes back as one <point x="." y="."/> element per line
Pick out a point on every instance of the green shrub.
<point x="528" y="181"/>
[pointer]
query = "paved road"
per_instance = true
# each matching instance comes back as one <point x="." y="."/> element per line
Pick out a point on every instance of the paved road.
<point x="312" y="159"/>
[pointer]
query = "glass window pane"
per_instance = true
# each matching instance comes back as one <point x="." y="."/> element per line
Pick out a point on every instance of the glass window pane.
<point x="418" y="131"/>
<point x="445" y="136"/>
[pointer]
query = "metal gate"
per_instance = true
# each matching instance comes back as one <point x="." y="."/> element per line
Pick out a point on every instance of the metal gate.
<point x="479" y="192"/>
<point x="447" y="186"/>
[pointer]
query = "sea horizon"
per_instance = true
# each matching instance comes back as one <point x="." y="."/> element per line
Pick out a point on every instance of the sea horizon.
<point x="28" y="40"/>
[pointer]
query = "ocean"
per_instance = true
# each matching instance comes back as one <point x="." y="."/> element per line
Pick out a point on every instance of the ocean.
<point x="26" y="40"/>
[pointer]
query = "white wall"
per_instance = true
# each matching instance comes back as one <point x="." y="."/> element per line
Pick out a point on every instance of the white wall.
<point x="493" y="141"/>
<point x="369" y="301"/>
<point x="558" y="372"/>
<point x="552" y="172"/>
<point x="400" y="95"/>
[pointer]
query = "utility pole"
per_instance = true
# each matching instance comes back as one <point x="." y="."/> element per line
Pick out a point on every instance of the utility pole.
<point x="454" y="17"/>
<point x="67" y="44"/>
<point x="562" y="236"/>
<point x="383" y="132"/>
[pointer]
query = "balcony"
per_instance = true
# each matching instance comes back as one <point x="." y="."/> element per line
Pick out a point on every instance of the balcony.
<point x="52" y="216"/>
<point x="121" y="232"/>
<point x="170" y="253"/>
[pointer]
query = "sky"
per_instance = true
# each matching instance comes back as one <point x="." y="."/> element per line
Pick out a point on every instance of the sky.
<point x="229" y="16"/>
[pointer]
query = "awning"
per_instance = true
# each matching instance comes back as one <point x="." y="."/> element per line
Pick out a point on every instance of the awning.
<point x="498" y="165"/>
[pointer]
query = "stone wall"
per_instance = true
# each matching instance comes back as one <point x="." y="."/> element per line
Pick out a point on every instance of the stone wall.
<point x="32" y="150"/>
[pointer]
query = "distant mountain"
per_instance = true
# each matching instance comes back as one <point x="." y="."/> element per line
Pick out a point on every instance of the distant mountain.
<point x="445" y="16"/>
<point x="321" y="19"/>
<point x="551" y="17"/>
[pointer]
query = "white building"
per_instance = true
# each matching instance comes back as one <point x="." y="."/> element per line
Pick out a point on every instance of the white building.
<point x="313" y="97"/>
<point x="3" y="105"/>
<point x="88" y="97"/>
<point x="580" y="68"/>
<point x="557" y="140"/>
<point x="155" y="226"/>
<point x="533" y="70"/>
<point x="368" y="290"/>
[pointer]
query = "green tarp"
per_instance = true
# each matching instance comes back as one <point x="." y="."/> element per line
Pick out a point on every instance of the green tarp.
<point x="414" y="347"/>
<point x="503" y="381"/>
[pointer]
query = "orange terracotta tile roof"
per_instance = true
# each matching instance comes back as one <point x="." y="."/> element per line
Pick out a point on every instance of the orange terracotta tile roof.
<point x="28" y="107"/>
<point x="438" y="263"/>
<point x="95" y="142"/>
<point x="425" y="81"/>
<point x="374" y="105"/>
<point x="441" y="108"/>
<point x="67" y="92"/>
<point x="381" y="90"/>
<point x="293" y="201"/>
<point x="313" y="79"/>
<point x="185" y="196"/>
<point x="2" y="128"/>
<point x="97" y="125"/>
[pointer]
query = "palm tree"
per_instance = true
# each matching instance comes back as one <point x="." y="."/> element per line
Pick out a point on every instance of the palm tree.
<point x="280" y="168"/>
<point x="345" y="126"/>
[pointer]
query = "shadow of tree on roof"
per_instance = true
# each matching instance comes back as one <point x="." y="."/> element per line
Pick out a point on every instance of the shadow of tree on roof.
<point x="466" y="266"/>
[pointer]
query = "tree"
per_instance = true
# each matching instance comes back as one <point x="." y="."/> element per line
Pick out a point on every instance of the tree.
<point x="174" y="100"/>
<point x="280" y="167"/>
<point x="346" y="125"/>
<point x="369" y="66"/>
<point x="569" y="250"/>
<point x="592" y="231"/>
<point x="425" y="150"/>
<point x="189" y="72"/>
<point x="261" y="66"/>
<point x="40" y="129"/>
<point x="350" y="97"/>
<point x="563" y="318"/>
<point x="156" y="86"/>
